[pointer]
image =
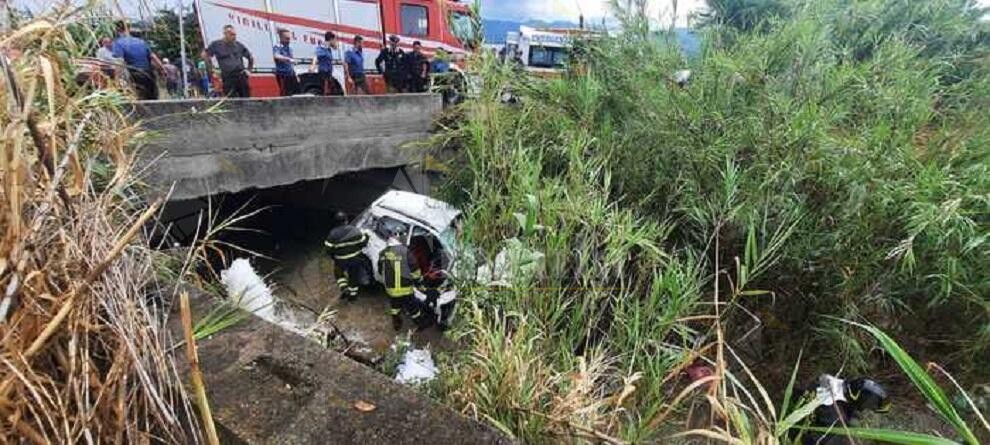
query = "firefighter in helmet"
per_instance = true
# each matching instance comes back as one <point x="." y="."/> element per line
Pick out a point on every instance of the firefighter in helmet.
<point x="345" y="243"/>
<point x="400" y="274"/>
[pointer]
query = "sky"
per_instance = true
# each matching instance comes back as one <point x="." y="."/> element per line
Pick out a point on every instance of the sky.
<point x="516" y="10"/>
<point x="570" y="10"/>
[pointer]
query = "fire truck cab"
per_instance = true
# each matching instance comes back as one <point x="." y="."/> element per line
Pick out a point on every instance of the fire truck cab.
<point x="436" y="24"/>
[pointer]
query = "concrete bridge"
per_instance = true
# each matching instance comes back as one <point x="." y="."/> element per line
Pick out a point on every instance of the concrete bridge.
<point x="205" y="147"/>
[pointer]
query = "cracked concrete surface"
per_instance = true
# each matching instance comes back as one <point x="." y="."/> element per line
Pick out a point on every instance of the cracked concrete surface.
<point x="267" y="385"/>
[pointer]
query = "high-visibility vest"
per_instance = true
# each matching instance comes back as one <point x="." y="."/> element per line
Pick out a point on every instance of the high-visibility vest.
<point x="399" y="271"/>
<point x="346" y="242"/>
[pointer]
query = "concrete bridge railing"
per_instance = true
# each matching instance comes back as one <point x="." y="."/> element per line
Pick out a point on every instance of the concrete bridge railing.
<point x="205" y="147"/>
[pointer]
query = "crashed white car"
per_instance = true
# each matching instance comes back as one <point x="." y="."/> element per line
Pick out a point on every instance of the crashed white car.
<point x="428" y="225"/>
<point x="430" y="228"/>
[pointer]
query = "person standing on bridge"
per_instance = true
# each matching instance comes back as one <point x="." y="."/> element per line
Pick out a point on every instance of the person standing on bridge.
<point x="205" y="78"/>
<point x="417" y="69"/>
<point x="230" y="55"/>
<point x="389" y="63"/>
<point x="109" y="63"/>
<point x="354" y="60"/>
<point x="323" y="63"/>
<point x="171" y="77"/>
<point x="141" y="61"/>
<point x="345" y="243"/>
<point x="285" y="70"/>
<point x="400" y="273"/>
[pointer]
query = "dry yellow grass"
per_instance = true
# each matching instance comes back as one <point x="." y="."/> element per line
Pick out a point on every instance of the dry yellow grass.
<point x="83" y="348"/>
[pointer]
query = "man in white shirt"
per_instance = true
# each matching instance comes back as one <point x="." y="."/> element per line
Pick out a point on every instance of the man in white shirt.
<point x="105" y="54"/>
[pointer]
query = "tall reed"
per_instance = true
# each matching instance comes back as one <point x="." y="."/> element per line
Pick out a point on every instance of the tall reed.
<point x="83" y="347"/>
<point x="839" y="151"/>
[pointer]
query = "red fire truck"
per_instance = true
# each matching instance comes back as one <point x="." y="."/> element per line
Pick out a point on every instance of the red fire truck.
<point x="435" y="23"/>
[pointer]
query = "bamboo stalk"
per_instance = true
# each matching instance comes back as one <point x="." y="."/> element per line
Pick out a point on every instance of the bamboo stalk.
<point x="194" y="372"/>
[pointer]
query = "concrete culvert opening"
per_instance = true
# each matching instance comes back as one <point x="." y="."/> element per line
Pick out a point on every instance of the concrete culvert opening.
<point x="283" y="240"/>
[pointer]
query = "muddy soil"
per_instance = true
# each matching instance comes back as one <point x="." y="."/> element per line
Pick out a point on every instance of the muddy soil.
<point x="304" y="277"/>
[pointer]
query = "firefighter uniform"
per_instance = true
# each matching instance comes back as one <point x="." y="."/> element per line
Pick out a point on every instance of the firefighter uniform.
<point x="400" y="273"/>
<point x="345" y="243"/>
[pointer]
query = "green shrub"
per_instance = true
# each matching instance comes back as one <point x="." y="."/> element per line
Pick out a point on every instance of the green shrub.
<point x="848" y="140"/>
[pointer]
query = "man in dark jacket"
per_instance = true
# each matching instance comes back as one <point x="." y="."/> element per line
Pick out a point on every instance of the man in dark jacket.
<point x="390" y="63"/>
<point x="345" y="243"/>
<point x="417" y="69"/>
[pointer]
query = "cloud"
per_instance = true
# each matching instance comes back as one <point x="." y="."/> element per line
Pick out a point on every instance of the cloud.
<point x="593" y="10"/>
<point x="542" y="9"/>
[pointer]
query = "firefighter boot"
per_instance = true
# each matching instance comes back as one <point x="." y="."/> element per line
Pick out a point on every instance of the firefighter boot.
<point x="352" y="293"/>
<point x="348" y="293"/>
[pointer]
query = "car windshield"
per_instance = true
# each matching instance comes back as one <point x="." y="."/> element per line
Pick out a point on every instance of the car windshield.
<point x="449" y="238"/>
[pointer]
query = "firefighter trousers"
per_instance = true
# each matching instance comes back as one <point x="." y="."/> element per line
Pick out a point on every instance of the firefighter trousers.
<point x="351" y="275"/>
<point x="399" y="303"/>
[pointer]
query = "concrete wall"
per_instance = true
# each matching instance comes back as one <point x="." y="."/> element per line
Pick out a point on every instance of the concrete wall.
<point x="270" y="386"/>
<point x="208" y="146"/>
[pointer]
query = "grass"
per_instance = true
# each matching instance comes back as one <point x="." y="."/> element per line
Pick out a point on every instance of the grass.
<point x="745" y="413"/>
<point x="83" y="346"/>
<point x="829" y="164"/>
<point x="223" y="315"/>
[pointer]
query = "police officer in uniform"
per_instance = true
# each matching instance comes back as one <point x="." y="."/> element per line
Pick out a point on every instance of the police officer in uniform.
<point x="285" y="71"/>
<point x="390" y="63"/>
<point x="345" y="243"/>
<point x="400" y="274"/>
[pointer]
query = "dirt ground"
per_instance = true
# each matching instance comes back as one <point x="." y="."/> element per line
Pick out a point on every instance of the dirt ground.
<point x="304" y="277"/>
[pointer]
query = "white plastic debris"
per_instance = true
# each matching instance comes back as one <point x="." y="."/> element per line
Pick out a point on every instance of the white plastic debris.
<point x="682" y="77"/>
<point x="247" y="290"/>
<point x="829" y="390"/>
<point x="514" y="264"/>
<point x="416" y="367"/>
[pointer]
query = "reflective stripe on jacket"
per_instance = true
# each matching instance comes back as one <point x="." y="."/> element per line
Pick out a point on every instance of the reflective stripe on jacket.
<point x="399" y="271"/>
<point x="346" y="242"/>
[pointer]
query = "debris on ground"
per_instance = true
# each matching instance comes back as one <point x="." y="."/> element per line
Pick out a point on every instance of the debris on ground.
<point x="515" y="263"/>
<point x="416" y="367"/>
<point x="248" y="290"/>
<point x="364" y="407"/>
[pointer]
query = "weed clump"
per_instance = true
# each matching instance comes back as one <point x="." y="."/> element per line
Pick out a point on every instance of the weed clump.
<point x="828" y="164"/>
<point x="84" y="353"/>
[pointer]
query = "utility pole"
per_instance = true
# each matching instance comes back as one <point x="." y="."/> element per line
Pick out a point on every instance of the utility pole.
<point x="182" y="51"/>
<point x="4" y="17"/>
